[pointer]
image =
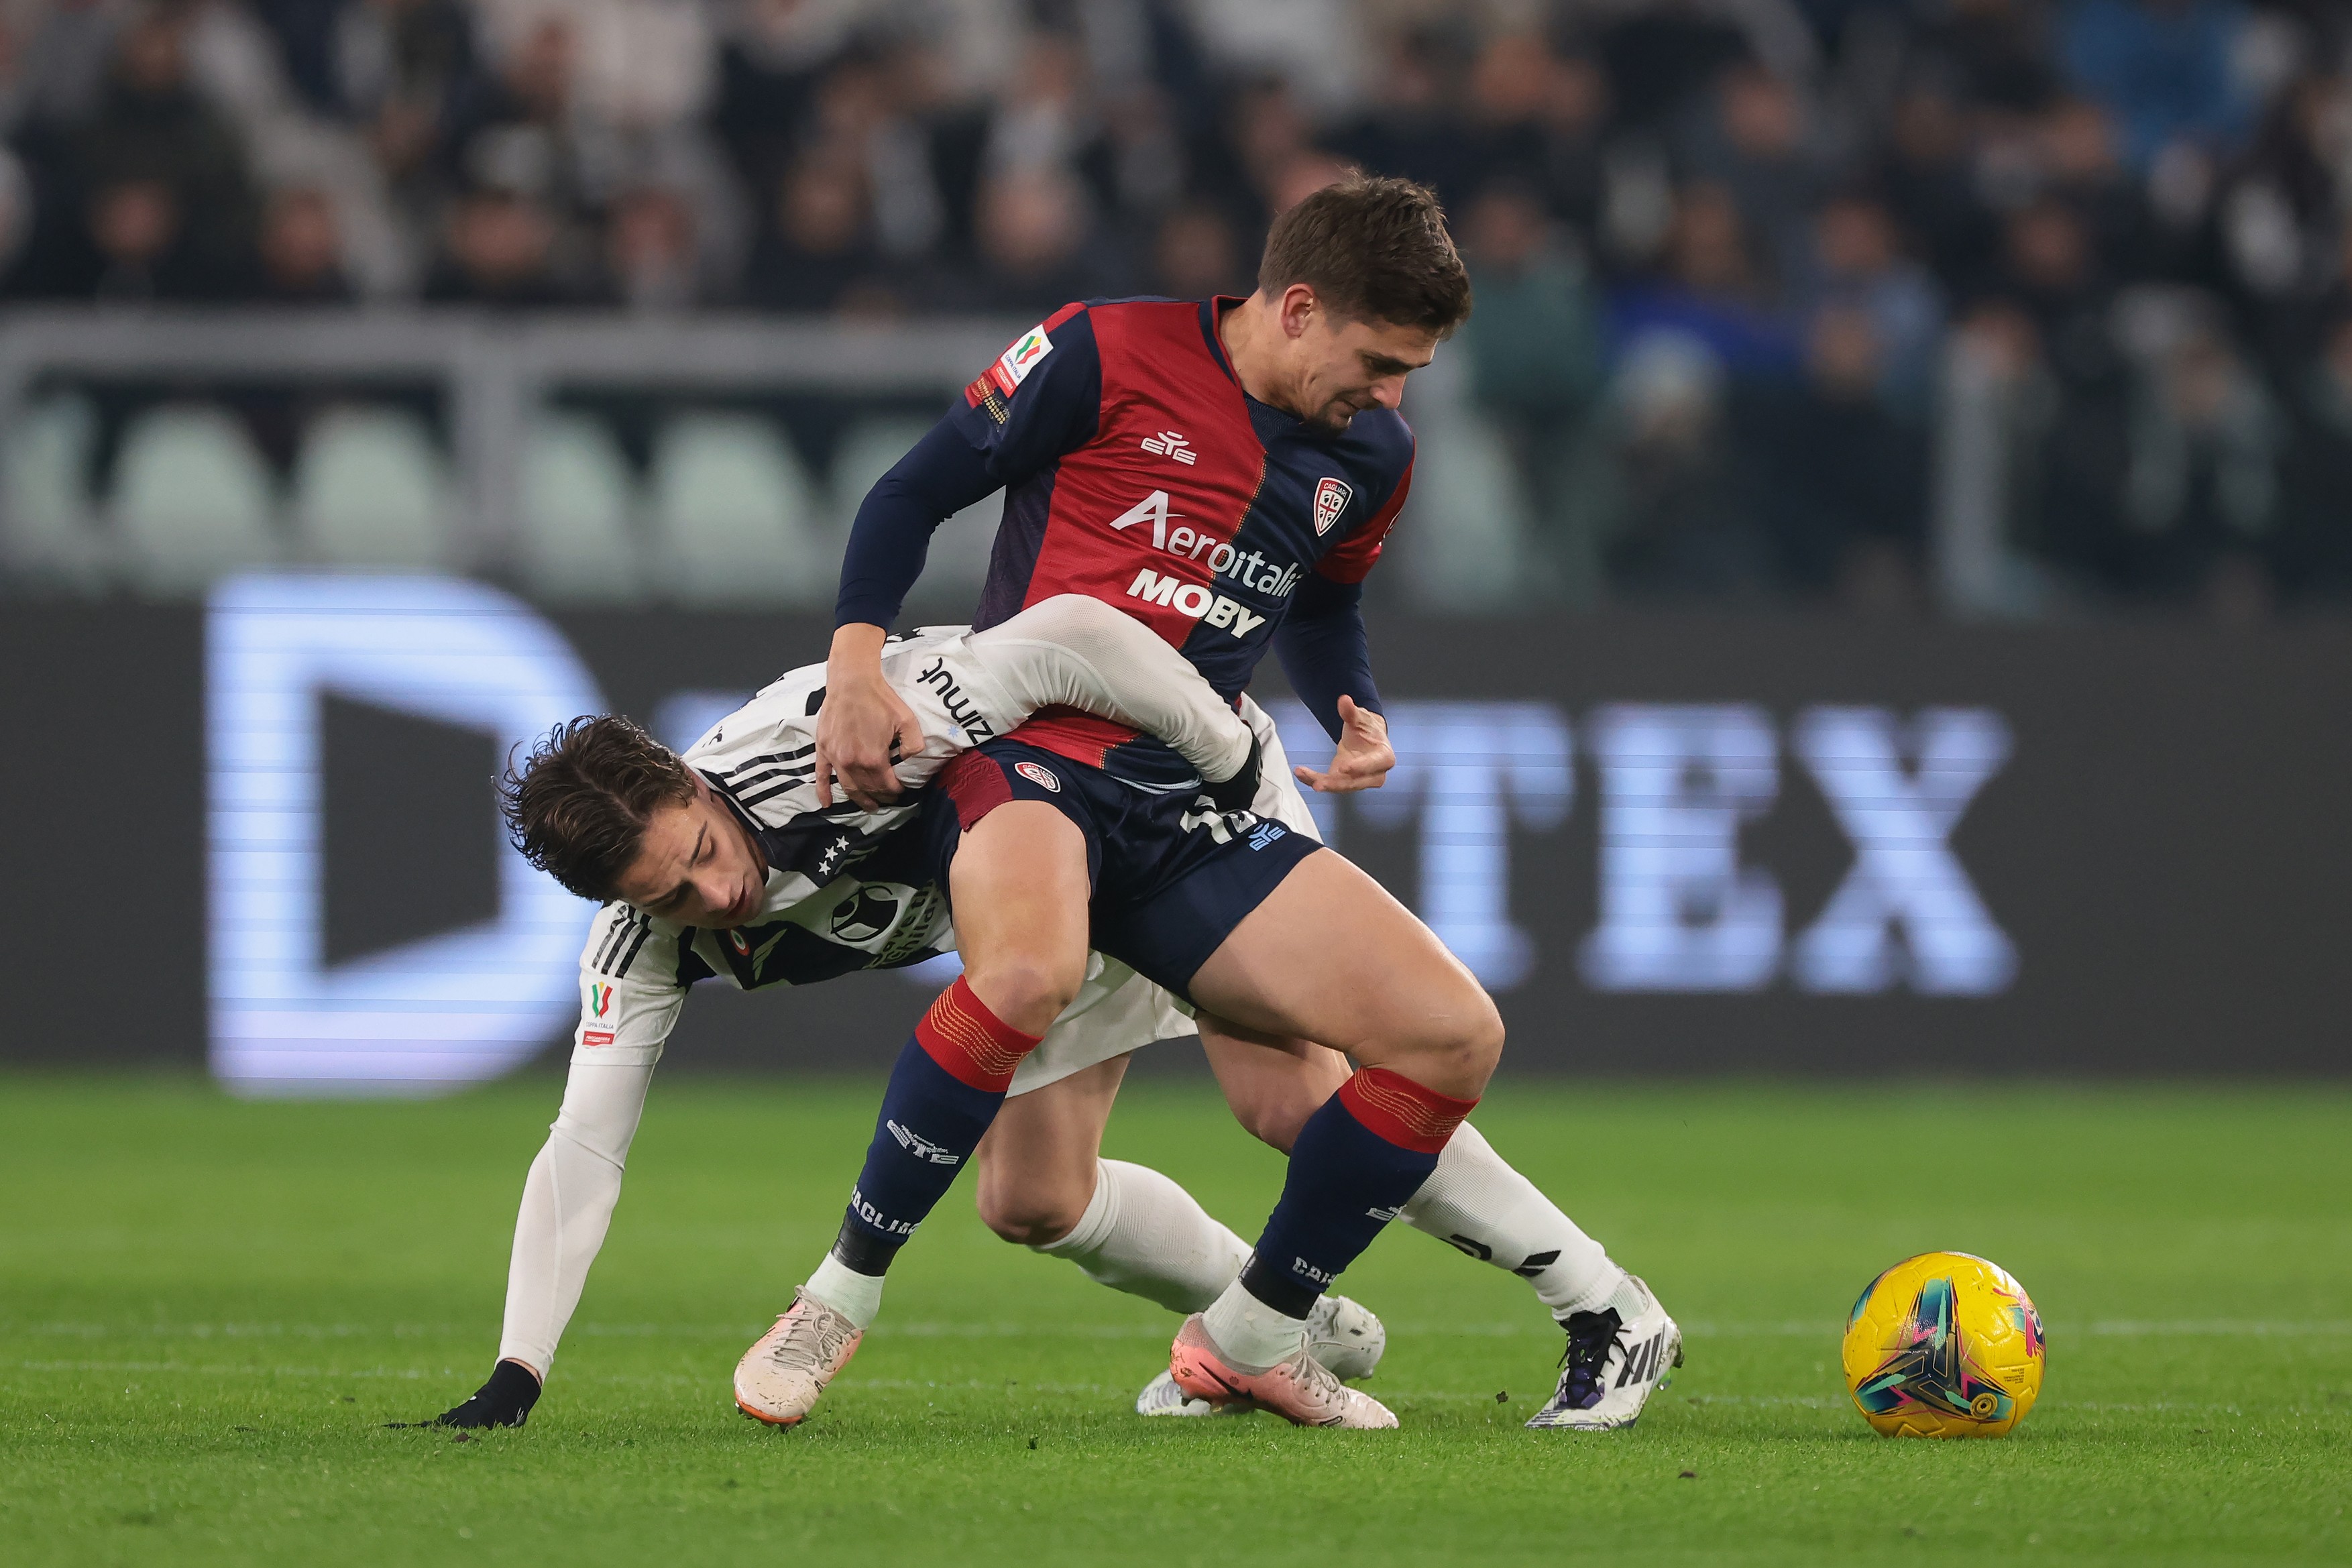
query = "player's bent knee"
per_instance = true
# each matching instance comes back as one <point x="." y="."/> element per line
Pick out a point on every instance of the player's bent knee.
<point x="1026" y="993"/>
<point x="1479" y="1046"/>
<point x="1274" y="1120"/>
<point x="1482" y="1044"/>
<point x="1456" y="1048"/>
<point x="1028" y="1217"/>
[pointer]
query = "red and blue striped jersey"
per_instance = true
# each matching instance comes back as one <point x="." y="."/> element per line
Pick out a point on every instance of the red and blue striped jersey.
<point x="1136" y="470"/>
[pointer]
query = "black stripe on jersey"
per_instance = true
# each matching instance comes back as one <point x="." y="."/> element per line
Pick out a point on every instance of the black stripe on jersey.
<point x="792" y="756"/>
<point x="611" y="937"/>
<point x="615" y="940"/>
<point x="627" y="938"/>
<point x="771" y="792"/>
<point x="796" y="770"/>
<point x="644" y="931"/>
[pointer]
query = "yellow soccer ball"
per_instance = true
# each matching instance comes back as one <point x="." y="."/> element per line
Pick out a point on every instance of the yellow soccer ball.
<point x="1944" y="1345"/>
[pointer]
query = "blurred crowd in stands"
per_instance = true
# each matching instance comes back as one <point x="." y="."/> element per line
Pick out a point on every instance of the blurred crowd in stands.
<point x="1757" y="280"/>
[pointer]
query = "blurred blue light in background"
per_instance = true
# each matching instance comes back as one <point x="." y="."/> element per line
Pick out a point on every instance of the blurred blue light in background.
<point x="456" y="1007"/>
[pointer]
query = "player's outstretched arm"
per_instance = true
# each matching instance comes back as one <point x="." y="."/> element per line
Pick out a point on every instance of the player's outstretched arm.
<point x="1076" y="652"/>
<point x="567" y="1205"/>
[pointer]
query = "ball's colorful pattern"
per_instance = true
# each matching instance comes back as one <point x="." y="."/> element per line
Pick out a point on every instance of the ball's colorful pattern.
<point x="1944" y="1345"/>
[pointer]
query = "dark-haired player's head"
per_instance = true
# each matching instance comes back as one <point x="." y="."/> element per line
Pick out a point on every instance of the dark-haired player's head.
<point x="612" y="813"/>
<point x="1364" y="281"/>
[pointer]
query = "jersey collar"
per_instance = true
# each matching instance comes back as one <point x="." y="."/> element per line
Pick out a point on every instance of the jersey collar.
<point x="1267" y="423"/>
<point x="1212" y="310"/>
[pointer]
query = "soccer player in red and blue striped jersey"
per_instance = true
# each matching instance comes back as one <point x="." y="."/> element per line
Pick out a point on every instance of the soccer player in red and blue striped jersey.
<point x="1225" y="470"/>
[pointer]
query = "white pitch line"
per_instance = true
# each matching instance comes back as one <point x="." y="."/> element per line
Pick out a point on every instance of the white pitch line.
<point x="182" y="1368"/>
<point x="1534" y="1326"/>
<point x="2321" y="1328"/>
<point x="681" y="1380"/>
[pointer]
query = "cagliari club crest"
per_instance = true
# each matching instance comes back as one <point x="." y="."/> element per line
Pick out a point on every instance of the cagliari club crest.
<point x="1331" y="498"/>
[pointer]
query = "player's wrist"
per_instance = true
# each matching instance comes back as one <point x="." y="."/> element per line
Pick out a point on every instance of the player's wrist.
<point x="855" y="654"/>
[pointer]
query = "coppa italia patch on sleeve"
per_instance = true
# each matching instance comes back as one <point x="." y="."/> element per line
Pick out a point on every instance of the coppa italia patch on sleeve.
<point x="1010" y="369"/>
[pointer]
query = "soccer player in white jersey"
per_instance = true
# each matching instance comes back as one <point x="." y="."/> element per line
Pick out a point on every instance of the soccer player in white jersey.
<point x="725" y="866"/>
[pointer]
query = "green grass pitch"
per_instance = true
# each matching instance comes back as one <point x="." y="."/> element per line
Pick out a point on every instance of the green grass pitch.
<point x="208" y="1310"/>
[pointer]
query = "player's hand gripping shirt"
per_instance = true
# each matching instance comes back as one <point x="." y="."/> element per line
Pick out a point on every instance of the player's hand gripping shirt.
<point x="1137" y="471"/>
<point x="845" y="890"/>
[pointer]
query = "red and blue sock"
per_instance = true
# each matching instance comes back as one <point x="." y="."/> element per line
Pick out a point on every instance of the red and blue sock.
<point x="1358" y="1160"/>
<point x="944" y="1092"/>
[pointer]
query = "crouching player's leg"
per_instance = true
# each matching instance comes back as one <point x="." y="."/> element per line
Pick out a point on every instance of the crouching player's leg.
<point x="1019" y="883"/>
<point x="1622" y="1345"/>
<point x="1042" y="1184"/>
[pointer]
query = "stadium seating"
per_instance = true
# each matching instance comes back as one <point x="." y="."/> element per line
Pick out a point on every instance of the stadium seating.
<point x="51" y="537"/>
<point x="192" y="500"/>
<point x="370" y="490"/>
<point x="958" y="562"/>
<point x="1468" y="555"/>
<point x="578" y="543"/>
<point x="734" y="518"/>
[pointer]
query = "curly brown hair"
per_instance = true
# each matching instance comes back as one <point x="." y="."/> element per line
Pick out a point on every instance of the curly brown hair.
<point x="577" y="807"/>
<point x="1372" y="250"/>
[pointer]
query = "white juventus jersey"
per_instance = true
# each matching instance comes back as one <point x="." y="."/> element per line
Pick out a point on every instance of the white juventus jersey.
<point x="846" y="889"/>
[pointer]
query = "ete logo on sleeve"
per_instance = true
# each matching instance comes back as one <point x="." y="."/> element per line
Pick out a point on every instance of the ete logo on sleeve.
<point x="1331" y="498"/>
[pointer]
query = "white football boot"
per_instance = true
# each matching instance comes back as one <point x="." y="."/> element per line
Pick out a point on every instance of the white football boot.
<point x="780" y="1376"/>
<point x="1347" y="1338"/>
<point x="1611" y="1367"/>
<point x="1161" y="1396"/>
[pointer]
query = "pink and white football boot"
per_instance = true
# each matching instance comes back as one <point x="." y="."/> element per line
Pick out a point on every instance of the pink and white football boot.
<point x="780" y="1377"/>
<point x="1301" y="1390"/>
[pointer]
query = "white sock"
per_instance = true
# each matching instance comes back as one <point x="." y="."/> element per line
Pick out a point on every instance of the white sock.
<point x="1145" y="1235"/>
<point x="1252" y="1336"/>
<point x="857" y="1297"/>
<point x="1475" y="1201"/>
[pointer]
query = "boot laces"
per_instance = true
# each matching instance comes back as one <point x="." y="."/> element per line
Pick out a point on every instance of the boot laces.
<point x="1315" y="1379"/>
<point x="814" y="1342"/>
<point x="1591" y="1337"/>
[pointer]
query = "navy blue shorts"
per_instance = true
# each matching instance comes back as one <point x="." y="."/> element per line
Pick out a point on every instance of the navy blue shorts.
<point x="1170" y="877"/>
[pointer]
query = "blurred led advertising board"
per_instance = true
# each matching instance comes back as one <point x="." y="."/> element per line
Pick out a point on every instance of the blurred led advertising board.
<point x="1680" y="909"/>
<point x="452" y="1007"/>
<point x="1665" y="843"/>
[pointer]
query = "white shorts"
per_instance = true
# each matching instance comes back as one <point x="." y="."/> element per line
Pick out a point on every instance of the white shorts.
<point x="1116" y="1011"/>
<point x="1119" y="1011"/>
